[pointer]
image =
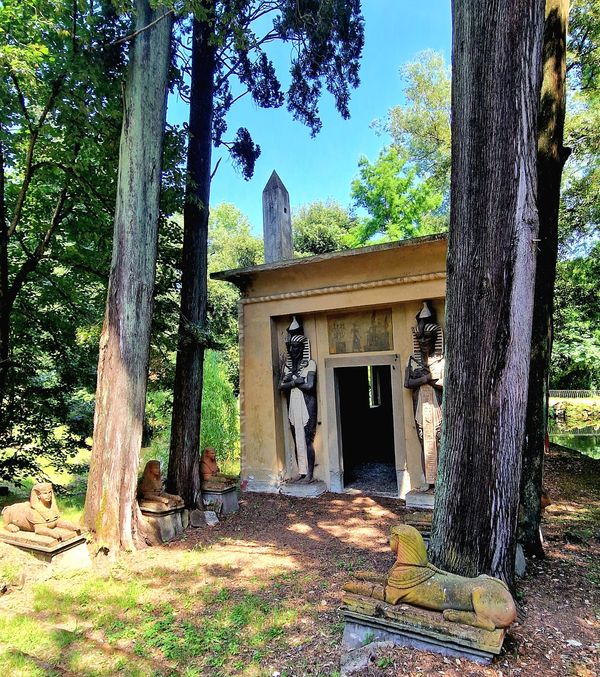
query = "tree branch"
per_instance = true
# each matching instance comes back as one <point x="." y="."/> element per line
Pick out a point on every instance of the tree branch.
<point x="131" y="36"/>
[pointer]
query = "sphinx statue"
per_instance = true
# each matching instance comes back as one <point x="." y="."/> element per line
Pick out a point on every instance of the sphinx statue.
<point x="210" y="473"/>
<point x="298" y="378"/>
<point x="482" y="602"/>
<point x="39" y="515"/>
<point x="151" y="493"/>
<point x="424" y="375"/>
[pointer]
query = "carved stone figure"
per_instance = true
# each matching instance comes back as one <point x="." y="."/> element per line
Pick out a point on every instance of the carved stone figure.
<point x="298" y="379"/>
<point x="151" y="493"/>
<point x="39" y="515"/>
<point x="425" y="377"/>
<point x="210" y="473"/>
<point x="482" y="602"/>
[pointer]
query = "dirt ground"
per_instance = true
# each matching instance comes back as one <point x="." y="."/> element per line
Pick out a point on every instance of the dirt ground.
<point x="296" y="554"/>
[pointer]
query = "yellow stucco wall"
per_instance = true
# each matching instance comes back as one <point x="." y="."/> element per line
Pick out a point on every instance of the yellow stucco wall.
<point x="395" y="277"/>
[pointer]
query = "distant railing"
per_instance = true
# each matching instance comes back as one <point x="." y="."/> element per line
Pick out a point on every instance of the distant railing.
<point x="574" y="394"/>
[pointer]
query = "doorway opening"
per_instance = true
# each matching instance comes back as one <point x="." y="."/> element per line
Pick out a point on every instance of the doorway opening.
<point x="366" y="425"/>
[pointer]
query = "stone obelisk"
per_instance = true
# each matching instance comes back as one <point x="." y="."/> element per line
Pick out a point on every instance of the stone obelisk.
<point x="277" y="221"/>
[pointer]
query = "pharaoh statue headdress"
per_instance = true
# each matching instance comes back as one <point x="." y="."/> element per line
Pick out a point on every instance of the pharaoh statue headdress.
<point x="295" y="334"/>
<point x="427" y="324"/>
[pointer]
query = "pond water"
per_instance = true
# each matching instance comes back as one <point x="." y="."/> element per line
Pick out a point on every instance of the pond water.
<point x="585" y="440"/>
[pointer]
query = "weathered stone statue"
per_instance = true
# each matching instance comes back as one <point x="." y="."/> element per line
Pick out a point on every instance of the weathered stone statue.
<point x="425" y="377"/>
<point x="481" y="602"/>
<point x="298" y="381"/>
<point x="39" y="515"/>
<point x="210" y="473"/>
<point x="151" y="493"/>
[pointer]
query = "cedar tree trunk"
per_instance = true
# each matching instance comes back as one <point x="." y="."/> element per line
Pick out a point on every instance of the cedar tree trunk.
<point x="111" y="510"/>
<point x="497" y="50"/>
<point x="551" y="159"/>
<point x="4" y="305"/>
<point x="184" y="462"/>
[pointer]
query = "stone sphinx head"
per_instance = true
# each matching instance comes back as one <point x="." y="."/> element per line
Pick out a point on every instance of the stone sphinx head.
<point x="151" y="480"/>
<point x="42" y="500"/>
<point x="208" y="463"/>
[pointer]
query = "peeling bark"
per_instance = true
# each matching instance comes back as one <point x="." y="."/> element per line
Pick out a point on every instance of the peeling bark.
<point x="497" y="49"/>
<point x="111" y="511"/>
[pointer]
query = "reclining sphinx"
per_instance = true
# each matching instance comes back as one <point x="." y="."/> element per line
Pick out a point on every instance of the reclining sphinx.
<point x="39" y="515"/>
<point x="210" y="473"/>
<point x="151" y="493"/>
<point x="482" y="602"/>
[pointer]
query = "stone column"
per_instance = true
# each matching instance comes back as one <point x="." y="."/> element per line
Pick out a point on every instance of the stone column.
<point x="277" y="221"/>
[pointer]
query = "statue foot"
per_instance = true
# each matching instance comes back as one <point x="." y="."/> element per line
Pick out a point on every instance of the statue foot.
<point x="306" y="479"/>
<point x="295" y="479"/>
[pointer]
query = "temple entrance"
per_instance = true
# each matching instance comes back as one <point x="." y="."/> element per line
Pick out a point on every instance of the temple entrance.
<point x="366" y="428"/>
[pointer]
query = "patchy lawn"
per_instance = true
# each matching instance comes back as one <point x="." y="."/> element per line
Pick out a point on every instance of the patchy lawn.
<point x="259" y="594"/>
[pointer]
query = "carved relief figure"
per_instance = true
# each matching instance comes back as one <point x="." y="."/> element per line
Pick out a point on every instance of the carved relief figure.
<point x="425" y="377"/>
<point x="210" y="472"/>
<point x="39" y="515"/>
<point x="151" y="493"/>
<point x="298" y="380"/>
<point x="482" y="602"/>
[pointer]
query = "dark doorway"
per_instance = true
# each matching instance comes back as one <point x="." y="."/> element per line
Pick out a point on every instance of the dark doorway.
<point x="367" y="428"/>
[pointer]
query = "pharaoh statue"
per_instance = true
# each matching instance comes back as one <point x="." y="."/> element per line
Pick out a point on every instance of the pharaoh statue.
<point x="210" y="473"/>
<point x="298" y="379"/>
<point x="39" y="515"/>
<point x="425" y="377"/>
<point x="151" y="493"/>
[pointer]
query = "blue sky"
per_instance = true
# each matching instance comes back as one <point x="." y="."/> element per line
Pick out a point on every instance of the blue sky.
<point x="323" y="168"/>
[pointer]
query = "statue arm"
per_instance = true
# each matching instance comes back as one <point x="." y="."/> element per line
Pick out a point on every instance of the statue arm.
<point x="308" y="383"/>
<point x="413" y="381"/>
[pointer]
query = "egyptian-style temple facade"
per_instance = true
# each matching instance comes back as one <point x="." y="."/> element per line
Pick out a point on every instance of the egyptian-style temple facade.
<point x="357" y="308"/>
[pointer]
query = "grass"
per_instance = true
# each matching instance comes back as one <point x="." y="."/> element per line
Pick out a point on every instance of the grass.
<point x="160" y="620"/>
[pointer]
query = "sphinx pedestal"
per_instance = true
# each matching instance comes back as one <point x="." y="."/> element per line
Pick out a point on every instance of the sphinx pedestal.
<point x="72" y="553"/>
<point x="166" y="523"/>
<point x="370" y="620"/>
<point x="223" y="500"/>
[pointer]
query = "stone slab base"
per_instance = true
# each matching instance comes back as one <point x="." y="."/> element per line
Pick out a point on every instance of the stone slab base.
<point x="311" y="490"/>
<point x="226" y="498"/>
<point x="166" y="525"/>
<point x="259" y="486"/>
<point x="368" y="619"/>
<point x="72" y="553"/>
<point x="420" y="499"/>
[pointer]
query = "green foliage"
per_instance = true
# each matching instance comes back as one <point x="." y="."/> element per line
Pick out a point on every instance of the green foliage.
<point x="220" y="420"/>
<point x="59" y="135"/>
<point x="576" y="350"/>
<point x="421" y="127"/>
<point x="580" y="208"/>
<point x="320" y="228"/>
<point x="394" y="197"/>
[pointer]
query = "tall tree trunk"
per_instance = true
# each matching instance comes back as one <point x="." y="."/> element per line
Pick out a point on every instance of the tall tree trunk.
<point x="4" y="305"/>
<point x="550" y="161"/>
<point x="497" y="49"/>
<point x="184" y="465"/>
<point x="111" y="510"/>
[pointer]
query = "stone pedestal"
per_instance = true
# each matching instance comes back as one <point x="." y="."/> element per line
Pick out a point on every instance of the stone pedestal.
<point x="298" y="490"/>
<point x="422" y="500"/>
<point x="72" y="553"/>
<point x="369" y="620"/>
<point x="166" y="523"/>
<point x="223" y="501"/>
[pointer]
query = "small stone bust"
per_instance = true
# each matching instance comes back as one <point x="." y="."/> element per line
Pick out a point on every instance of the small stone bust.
<point x="39" y="515"/>
<point x="151" y="493"/>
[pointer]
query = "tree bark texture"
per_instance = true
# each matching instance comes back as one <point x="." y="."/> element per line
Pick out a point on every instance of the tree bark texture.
<point x="184" y="459"/>
<point x="497" y="49"/>
<point x="4" y="306"/>
<point x="111" y="510"/>
<point x="550" y="161"/>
